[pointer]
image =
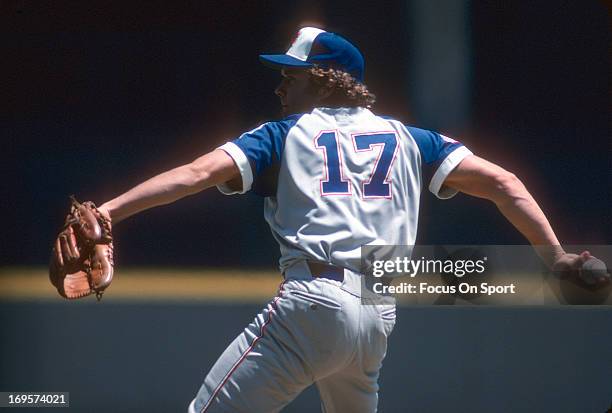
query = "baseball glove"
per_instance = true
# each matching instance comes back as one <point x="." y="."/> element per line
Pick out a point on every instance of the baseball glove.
<point x="82" y="258"/>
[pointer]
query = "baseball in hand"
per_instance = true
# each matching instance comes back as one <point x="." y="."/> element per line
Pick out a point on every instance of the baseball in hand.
<point x="594" y="273"/>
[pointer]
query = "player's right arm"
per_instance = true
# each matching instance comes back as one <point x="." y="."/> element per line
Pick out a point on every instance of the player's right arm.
<point x="214" y="168"/>
<point x="483" y="179"/>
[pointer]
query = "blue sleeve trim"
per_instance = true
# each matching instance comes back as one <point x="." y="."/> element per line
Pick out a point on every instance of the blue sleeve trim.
<point x="264" y="145"/>
<point x="433" y="147"/>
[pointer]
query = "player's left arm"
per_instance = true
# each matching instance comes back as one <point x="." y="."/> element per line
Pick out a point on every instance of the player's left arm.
<point x="483" y="179"/>
<point x="211" y="169"/>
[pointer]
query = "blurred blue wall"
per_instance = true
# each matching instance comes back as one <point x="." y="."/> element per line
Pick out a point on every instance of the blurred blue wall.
<point x="115" y="357"/>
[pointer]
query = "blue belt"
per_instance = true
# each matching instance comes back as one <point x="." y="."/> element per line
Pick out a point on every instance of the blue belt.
<point x="323" y="270"/>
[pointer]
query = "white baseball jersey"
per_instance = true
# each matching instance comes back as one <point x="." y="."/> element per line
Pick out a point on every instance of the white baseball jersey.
<point x="336" y="179"/>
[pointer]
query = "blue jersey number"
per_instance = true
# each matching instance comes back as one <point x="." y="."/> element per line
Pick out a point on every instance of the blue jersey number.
<point x="334" y="184"/>
<point x="378" y="184"/>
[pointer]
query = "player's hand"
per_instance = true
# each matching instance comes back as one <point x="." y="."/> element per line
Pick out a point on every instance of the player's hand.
<point x="582" y="269"/>
<point x="104" y="211"/>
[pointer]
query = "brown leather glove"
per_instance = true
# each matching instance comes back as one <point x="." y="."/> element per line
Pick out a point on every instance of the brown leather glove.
<point x="82" y="258"/>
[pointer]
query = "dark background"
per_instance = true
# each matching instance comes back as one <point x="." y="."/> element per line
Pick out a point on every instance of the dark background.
<point x="98" y="96"/>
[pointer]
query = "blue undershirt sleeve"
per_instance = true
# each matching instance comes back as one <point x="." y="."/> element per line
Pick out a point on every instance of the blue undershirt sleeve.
<point x="440" y="155"/>
<point x="257" y="150"/>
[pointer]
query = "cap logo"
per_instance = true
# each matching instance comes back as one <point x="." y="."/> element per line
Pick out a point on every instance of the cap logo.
<point x="295" y="37"/>
<point x="300" y="48"/>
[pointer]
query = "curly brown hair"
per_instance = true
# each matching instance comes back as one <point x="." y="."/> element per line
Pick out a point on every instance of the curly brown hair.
<point x="346" y="88"/>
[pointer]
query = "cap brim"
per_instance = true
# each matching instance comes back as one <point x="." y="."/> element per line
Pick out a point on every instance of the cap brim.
<point x="278" y="61"/>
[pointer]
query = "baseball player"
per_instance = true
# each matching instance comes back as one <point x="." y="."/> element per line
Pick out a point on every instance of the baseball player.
<point x="335" y="177"/>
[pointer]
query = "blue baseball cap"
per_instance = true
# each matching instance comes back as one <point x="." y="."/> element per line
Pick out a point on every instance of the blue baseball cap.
<point x="314" y="46"/>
